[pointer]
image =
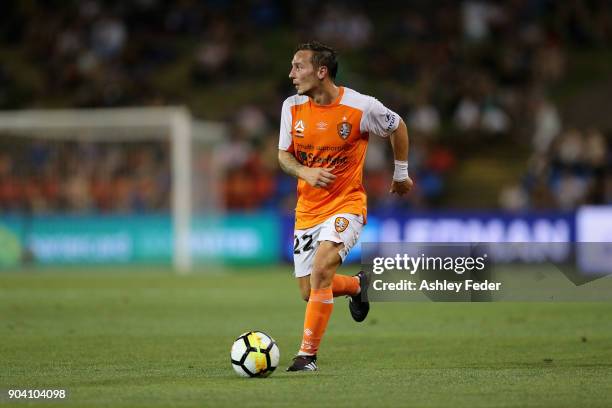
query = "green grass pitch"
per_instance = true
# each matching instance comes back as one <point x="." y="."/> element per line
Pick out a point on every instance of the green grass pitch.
<point x="149" y="338"/>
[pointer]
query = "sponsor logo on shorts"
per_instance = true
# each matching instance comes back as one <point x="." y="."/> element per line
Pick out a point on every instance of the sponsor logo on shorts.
<point x="341" y="224"/>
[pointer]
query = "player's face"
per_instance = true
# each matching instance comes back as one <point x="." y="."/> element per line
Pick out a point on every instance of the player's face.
<point x="303" y="73"/>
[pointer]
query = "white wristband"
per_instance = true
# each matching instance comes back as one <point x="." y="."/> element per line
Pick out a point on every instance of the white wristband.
<point x="401" y="171"/>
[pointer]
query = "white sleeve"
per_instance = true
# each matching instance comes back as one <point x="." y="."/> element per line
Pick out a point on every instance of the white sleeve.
<point x="285" y="139"/>
<point x="379" y="120"/>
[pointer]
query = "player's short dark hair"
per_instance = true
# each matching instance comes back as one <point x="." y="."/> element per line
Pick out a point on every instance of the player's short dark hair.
<point x="322" y="56"/>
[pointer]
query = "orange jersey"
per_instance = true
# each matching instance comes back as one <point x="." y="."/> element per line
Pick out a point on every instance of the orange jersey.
<point x="334" y="135"/>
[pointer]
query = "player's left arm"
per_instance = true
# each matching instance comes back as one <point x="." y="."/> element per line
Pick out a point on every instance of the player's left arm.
<point x="402" y="183"/>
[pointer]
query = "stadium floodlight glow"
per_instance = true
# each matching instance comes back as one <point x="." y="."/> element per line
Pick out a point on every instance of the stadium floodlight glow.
<point x="135" y="124"/>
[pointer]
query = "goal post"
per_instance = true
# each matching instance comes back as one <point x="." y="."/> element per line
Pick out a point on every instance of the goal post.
<point x="126" y="125"/>
<point x="180" y="135"/>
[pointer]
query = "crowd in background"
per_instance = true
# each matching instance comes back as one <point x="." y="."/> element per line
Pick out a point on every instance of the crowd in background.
<point x="50" y="176"/>
<point x="573" y="171"/>
<point x="464" y="76"/>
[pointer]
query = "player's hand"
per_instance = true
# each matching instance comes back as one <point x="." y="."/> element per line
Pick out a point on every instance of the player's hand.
<point x="319" y="177"/>
<point x="401" y="187"/>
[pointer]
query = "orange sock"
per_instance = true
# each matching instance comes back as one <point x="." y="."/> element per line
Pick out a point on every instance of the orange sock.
<point x="345" y="285"/>
<point x="318" y="310"/>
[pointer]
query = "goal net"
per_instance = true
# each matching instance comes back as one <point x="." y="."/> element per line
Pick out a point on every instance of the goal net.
<point x="123" y="185"/>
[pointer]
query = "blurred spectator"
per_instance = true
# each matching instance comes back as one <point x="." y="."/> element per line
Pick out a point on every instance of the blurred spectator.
<point x="345" y="26"/>
<point x="513" y="198"/>
<point x="108" y="36"/>
<point x="424" y="118"/>
<point x="547" y="123"/>
<point x="467" y="115"/>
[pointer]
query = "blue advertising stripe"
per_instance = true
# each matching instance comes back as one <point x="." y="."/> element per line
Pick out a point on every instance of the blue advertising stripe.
<point x="455" y="226"/>
<point x="258" y="237"/>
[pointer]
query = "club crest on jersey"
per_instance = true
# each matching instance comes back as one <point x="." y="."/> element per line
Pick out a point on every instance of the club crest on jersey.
<point x="341" y="224"/>
<point x="344" y="129"/>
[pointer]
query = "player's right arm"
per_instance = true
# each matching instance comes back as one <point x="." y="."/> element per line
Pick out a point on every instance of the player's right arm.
<point x="315" y="176"/>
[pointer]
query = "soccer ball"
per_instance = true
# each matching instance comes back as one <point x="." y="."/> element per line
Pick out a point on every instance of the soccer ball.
<point x="254" y="354"/>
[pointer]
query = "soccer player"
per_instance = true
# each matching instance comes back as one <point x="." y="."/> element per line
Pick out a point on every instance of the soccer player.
<point x="323" y="140"/>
